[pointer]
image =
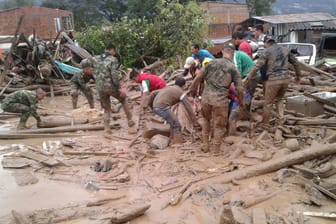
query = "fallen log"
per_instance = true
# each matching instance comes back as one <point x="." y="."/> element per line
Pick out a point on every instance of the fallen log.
<point x="126" y="212"/>
<point x="325" y="122"/>
<point x="56" y="121"/>
<point x="104" y="201"/>
<point x="87" y="127"/>
<point x="8" y="135"/>
<point x="320" y="100"/>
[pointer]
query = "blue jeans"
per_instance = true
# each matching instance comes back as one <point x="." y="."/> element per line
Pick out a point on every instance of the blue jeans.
<point x="169" y="116"/>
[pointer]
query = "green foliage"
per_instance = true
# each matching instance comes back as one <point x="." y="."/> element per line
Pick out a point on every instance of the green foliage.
<point x="169" y="34"/>
<point x="260" y="7"/>
<point x="8" y="4"/>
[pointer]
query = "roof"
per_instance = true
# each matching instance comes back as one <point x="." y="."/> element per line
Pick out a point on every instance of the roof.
<point x="322" y="25"/>
<point x="34" y="7"/>
<point x="296" y="18"/>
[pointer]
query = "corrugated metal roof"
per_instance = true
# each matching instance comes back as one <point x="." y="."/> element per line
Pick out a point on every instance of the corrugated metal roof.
<point x="296" y="18"/>
<point x="323" y="25"/>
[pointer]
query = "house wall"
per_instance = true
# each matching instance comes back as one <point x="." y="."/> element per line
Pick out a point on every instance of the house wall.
<point x="223" y="16"/>
<point x="39" y="18"/>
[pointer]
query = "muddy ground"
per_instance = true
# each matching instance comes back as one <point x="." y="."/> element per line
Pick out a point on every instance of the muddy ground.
<point x="179" y="183"/>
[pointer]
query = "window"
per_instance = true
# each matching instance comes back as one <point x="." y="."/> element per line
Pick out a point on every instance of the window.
<point x="67" y="23"/>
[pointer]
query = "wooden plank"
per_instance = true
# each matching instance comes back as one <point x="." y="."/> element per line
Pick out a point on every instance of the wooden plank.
<point x="259" y="216"/>
<point x="39" y="158"/>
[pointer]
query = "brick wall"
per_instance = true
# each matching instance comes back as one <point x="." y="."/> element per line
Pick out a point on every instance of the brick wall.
<point x="223" y="16"/>
<point x="39" y="18"/>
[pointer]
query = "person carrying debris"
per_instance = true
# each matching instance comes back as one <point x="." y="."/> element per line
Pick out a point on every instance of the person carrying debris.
<point x="108" y="84"/>
<point x="218" y="74"/>
<point x="162" y="100"/>
<point x="79" y="82"/>
<point x="24" y="102"/>
<point x="149" y="83"/>
<point x="276" y="59"/>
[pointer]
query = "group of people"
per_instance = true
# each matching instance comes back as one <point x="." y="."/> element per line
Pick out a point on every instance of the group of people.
<point x="222" y="88"/>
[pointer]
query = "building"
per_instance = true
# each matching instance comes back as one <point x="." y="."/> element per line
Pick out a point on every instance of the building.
<point x="222" y="19"/>
<point x="304" y="28"/>
<point x="46" y="22"/>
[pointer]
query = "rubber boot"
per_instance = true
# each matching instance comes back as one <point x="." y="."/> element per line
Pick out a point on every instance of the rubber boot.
<point x="218" y="137"/>
<point x="21" y="126"/>
<point x="205" y="144"/>
<point x="91" y="103"/>
<point x="74" y="101"/>
<point x="107" y="128"/>
<point x="232" y="128"/>
<point x="177" y="137"/>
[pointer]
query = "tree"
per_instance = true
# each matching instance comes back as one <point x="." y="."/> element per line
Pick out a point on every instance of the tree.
<point x="168" y="35"/>
<point x="260" y="7"/>
<point x="8" y="4"/>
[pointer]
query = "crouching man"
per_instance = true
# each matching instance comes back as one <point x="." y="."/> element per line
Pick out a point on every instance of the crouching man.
<point x="162" y="101"/>
<point x="24" y="102"/>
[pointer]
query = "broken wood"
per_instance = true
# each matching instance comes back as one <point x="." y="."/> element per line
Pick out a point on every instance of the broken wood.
<point x="87" y="127"/>
<point x="126" y="212"/>
<point x="318" y="187"/>
<point x="320" y="100"/>
<point x="15" y="135"/>
<point x="325" y="122"/>
<point x="57" y="121"/>
<point x="39" y="158"/>
<point x="256" y="200"/>
<point x="104" y="201"/>
<point x="134" y="140"/>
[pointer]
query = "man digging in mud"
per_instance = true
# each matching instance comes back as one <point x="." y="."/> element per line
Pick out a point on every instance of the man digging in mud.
<point x="79" y="82"/>
<point x="24" y="102"/>
<point x="218" y="74"/>
<point x="162" y="100"/>
<point x="108" y="84"/>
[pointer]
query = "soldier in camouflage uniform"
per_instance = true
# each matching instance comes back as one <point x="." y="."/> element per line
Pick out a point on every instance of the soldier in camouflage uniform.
<point x="276" y="59"/>
<point x="108" y="84"/>
<point x="218" y="74"/>
<point x="24" y="102"/>
<point x="79" y="82"/>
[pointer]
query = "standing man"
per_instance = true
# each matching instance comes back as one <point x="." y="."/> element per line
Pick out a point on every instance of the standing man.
<point x="149" y="83"/>
<point x="162" y="101"/>
<point x="241" y="43"/>
<point x="218" y="74"/>
<point x="276" y="59"/>
<point x="200" y="54"/>
<point x="24" y="102"/>
<point x="244" y="65"/>
<point x="79" y="82"/>
<point x="108" y="84"/>
<point x="260" y="37"/>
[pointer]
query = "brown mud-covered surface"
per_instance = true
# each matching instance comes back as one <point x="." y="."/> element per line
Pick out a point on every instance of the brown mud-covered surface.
<point x="52" y="180"/>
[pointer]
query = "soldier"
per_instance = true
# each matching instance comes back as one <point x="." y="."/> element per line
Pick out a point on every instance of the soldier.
<point x="149" y="83"/>
<point x="79" y="82"/>
<point x="24" y="102"/>
<point x="108" y="84"/>
<point x="162" y="100"/>
<point x="276" y="59"/>
<point x="218" y="74"/>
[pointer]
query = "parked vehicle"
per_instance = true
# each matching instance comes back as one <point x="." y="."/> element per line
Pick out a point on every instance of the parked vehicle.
<point x="304" y="52"/>
<point x="327" y="50"/>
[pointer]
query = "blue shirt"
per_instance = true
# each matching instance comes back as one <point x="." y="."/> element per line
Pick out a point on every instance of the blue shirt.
<point x="202" y="54"/>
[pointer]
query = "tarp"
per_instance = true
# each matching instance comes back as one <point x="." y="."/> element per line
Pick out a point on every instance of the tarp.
<point x="67" y="68"/>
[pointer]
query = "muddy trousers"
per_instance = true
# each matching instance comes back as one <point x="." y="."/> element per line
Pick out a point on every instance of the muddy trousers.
<point x="274" y="93"/>
<point x="87" y="93"/>
<point x="219" y="115"/>
<point x="106" y="105"/>
<point x="175" y="126"/>
<point x="19" y="108"/>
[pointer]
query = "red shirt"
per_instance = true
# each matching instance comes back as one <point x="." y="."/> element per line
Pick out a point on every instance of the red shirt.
<point x="155" y="82"/>
<point x="245" y="47"/>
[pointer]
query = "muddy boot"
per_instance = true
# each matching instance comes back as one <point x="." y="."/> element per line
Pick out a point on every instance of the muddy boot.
<point x="232" y="128"/>
<point x="107" y="128"/>
<point x="215" y="149"/>
<point x="177" y="138"/>
<point x="21" y="126"/>
<point x="74" y="101"/>
<point x="91" y="103"/>
<point x="205" y="144"/>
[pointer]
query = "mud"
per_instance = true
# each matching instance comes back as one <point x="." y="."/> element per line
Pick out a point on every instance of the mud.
<point x="154" y="176"/>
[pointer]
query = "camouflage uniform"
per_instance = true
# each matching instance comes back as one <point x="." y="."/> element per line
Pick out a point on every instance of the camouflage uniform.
<point x="24" y="102"/>
<point x="79" y="82"/>
<point x="108" y="84"/>
<point x="218" y="74"/>
<point x="276" y="59"/>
